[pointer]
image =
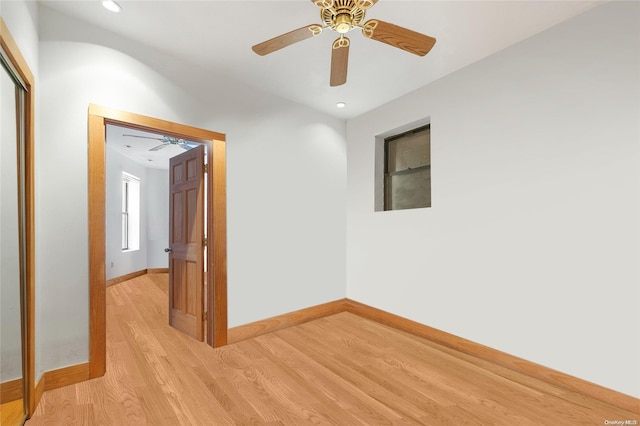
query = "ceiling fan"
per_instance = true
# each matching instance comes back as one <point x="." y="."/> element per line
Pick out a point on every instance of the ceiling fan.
<point x="343" y="16"/>
<point x="166" y="141"/>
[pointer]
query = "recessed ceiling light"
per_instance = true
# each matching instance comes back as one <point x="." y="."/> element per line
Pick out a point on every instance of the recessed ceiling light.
<point x="111" y="6"/>
<point x="341" y="105"/>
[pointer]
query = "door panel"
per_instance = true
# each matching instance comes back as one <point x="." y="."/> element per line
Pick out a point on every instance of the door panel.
<point x="186" y="239"/>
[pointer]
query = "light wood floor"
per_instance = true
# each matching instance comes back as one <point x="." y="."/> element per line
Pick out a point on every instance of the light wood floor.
<point x="12" y="413"/>
<point x="339" y="370"/>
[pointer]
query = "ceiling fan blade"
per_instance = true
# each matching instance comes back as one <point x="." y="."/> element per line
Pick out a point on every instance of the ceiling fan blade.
<point x="159" y="147"/>
<point x="365" y="4"/>
<point x="143" y="137"/>
<point x="287" y="39"/>
<point x="339" y="61"/>
<point x="402" y="38"/>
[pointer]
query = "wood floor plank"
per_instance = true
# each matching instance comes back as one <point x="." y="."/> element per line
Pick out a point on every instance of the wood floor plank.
<point x="531" y="393"/>
<point x="338" y="370"/>
<point x="410" y="401"/>
<point x="294" y="393"/>
<point x="12" y="412"/>
<point x="447" y="376"/>
<point x="353" y="406"/>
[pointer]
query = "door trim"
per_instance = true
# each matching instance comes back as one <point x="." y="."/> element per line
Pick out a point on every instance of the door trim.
<point x="18" y="61"/>
<point x="216" y="276"/>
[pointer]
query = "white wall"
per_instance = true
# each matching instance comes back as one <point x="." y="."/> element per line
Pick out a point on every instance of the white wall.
<point x="21" y="18"/>
<point x="531" y="246"/>
<point x="120" y="262"/>
<point x="157" y="220"/>
<point x="286" y="183"/>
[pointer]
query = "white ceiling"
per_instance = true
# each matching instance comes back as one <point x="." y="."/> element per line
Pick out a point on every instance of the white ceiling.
<point x="137" y="147"/>
<point x="217" y="36"/>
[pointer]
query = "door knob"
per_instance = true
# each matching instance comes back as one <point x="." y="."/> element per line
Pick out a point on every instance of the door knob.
<point x="168" y="250"/>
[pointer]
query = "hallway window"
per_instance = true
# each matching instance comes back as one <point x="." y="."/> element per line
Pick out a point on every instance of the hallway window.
<point x="130" y="212"/>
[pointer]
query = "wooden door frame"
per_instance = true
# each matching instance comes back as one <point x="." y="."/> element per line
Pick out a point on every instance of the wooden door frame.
<point x="21" y="67"/>
<point x="98" y="118"/>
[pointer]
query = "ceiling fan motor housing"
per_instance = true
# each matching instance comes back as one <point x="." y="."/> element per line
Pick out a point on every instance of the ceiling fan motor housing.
<point x="343" y="16"/>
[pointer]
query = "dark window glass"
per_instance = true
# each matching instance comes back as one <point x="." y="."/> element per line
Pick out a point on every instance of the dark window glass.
<point x="407" y="177"/>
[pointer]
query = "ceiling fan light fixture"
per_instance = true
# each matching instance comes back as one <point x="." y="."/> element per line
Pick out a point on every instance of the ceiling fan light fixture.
<point x="343" y="28"/>
<point x="111" y="6"/>
<point x="343" y="23"/>
<point x="341" y="104"/>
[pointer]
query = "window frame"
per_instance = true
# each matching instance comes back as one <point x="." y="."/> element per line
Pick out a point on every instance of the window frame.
<point x="127" y="182"/>
<point x="387" y="175"/>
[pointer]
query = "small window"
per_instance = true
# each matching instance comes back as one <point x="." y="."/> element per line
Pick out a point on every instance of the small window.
<point x="407" y="172"/>
<point x="130" y="212"/>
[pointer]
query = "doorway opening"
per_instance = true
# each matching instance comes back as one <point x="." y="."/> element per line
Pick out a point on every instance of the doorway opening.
<point x="216" y="253"/>
<point x="156" y="218"/>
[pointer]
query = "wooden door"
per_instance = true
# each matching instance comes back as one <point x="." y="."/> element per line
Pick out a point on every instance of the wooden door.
<point x="186" y="242"/>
